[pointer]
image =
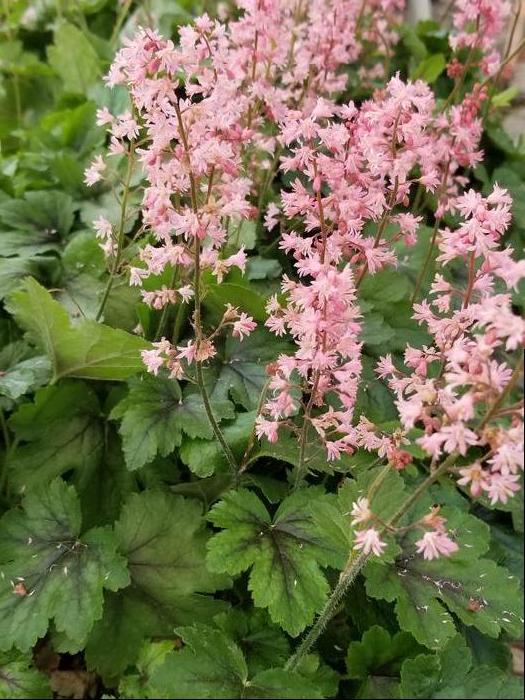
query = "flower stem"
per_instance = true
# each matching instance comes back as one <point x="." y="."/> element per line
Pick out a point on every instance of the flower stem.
<point x="197" y="317"/>
<point x="121" y="233"/>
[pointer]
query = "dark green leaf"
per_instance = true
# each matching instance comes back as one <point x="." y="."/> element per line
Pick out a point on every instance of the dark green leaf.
<point x="52" y="572"/>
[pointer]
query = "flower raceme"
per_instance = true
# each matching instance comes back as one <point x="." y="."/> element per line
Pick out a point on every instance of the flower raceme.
<point x="453" y="387"/>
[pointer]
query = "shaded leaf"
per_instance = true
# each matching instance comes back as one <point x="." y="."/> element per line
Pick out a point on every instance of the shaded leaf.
<point x="52" y="572"/>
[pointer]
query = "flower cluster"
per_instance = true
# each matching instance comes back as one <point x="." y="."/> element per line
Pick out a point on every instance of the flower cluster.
<point x="455" y="387"/>
<point x="478" y="28"/>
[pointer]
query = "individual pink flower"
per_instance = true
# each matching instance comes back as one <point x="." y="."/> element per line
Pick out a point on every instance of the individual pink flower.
<point x="501" y="487"/>
<point x="369" y="542"/>
<point x="243" y="326"/>
<point x="434" y="544"/>
<point x="360" y="511"/>
<point x="93" y="174"/>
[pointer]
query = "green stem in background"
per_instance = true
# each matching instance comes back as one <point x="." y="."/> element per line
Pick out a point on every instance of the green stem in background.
<point x="504" y="394"/>
<point x="497" y="77"/>
<point x="355" y="564"/>
<point x="120" y="234"/>
<point x="428" y="258"/>
<point x="121" y="17"/>
<point x="251" y="439"/>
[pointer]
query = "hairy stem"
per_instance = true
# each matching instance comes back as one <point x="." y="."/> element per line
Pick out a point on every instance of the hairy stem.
<point x="355" y="564"/>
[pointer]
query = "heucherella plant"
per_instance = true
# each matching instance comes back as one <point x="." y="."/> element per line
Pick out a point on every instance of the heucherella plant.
<point x="264" y="431"/>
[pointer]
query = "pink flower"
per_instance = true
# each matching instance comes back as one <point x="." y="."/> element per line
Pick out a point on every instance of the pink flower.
<point x="243" y="327"/>
<point x="369" y="542"/>
<point x="93" y="174"/>
<point x="501" y="487"/>
<point x="266" y="428"/>
<point x="434" y="544"/>
<point x="361" y="511"/>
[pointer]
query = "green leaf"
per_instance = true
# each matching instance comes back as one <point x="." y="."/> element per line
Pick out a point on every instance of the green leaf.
<point x="151" y="655"/>
<point x="505" y="97"/>
<point x="284" y="553"/>
<point x="155" y="414"/>
<point x="450" y="674"/>
<point x="164" y="540"/>
<point x="74" y="58"/>
<point x="13" y="271"/>
<point x="60" y="573"/>
<point x="20" y="679"/>
<point x="20" y="373"/>
<point x="26" y="244"/>
<point x="88" y="349"/>
<point x="477" y="591"/>
<point x="40" y="214"/>
<point x="210" y="665"/>
<point x="241" y="373"/>
<point x="263" y="644"/>
<point x="242" y="233"/>
<point x="384" y="288"/>
<point x="58" y="432"/>
<point x="380" y="652"/>
<point x="430" y="68"/>
<point x="205" y="457"/>
<point x="242" y="297"/>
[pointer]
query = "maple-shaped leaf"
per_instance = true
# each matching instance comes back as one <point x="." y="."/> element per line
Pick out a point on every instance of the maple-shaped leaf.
<point x="451" y="674"/>
<point x="164" y="540"/>
<point x="50" y="571"/>
<point x="285" y="553"/>
<point x="156" y="413"/>
<point x="86" y="349"/>
<point x="211" y="665"/>
<point x="241" y="373"/>
<point x="428" y="593"/>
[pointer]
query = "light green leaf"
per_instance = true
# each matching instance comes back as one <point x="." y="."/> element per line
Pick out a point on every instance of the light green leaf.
<point x="88" y="349"/>
<point x="430" y="68"/>
<point x="74" y="58"/>
<point x="284" y="553"/>
<point x="242" y="297"/>
<point x="155" y="414"/>
<point x="505" y="97"/>
<point x="52" y="572"/>
<point x="20" y="373"/>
